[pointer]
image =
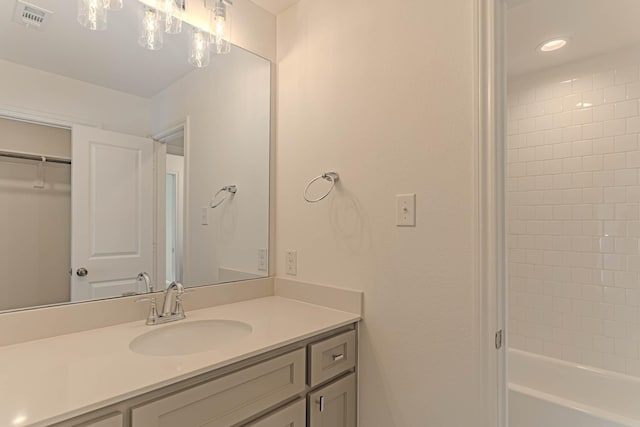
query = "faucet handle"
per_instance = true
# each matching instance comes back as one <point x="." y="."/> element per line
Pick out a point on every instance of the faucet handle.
<point x="152" y="318"/>
<point x="179" y="307"/>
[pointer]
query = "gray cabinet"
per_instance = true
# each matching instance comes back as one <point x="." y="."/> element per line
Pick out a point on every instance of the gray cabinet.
<point x="334" y="405"/>
<point x="115" y="420"/>
<point x="294" y="415"/>
<point x="228" y="400"/>
<point x="310" y="383"/>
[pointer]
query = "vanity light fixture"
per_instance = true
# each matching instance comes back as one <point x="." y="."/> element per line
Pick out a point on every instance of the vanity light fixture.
<point x="114" y="4"/>
<point x="199" y="52"/>
<point x="220" y="27"/>
<point x="553" y="45"/>
<point x="173" y="16"/>
<point x="150" y="31"/>
<point x="166" y="16"/>
<point x="92" y="14"/>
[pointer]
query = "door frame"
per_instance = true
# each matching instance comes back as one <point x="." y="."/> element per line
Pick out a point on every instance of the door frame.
<point x="160" y="152"/>
<point x="490" y="259"/>
<point x="45" y="119"/>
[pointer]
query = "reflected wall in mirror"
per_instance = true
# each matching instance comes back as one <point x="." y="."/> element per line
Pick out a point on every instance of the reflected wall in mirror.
<point x="111" y="157"/>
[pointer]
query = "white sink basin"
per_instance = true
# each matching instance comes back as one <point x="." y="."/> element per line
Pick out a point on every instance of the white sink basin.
<point x="189" y="337"/>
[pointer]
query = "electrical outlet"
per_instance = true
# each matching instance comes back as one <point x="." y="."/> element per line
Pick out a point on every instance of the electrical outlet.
<point x="263" y="260"/>
<point x="292" y="262"/>
<point x="406" y="210"/>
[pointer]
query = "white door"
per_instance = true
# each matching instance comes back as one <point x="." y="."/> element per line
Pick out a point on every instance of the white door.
<point x="111" y="211"/>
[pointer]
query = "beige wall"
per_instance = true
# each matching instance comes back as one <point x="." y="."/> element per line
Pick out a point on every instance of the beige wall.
<point x="35" y="224"/>
<point x="382" y="92"/>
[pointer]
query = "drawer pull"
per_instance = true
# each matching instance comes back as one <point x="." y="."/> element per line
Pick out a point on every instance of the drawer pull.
<point x="337" y="357"/>
<point x="320" y="403"/>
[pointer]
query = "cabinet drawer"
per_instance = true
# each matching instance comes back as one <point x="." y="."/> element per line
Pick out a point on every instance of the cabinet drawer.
<point x="334" y="405"/>
<point x="294" y="415"/>
<point x="114" y="420"/>
<point x="331" y="357"/>
<point x="228" y="400"/>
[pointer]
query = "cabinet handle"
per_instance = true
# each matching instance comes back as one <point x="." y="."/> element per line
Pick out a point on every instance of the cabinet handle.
<point x="337" y="357"/>
<point x="320" y="403"/>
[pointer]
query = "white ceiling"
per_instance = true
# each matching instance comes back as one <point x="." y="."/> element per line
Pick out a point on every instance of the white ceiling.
<point x="275" y="6"/>
<point x="110" y="58"/>
<point x="594" y="27"/>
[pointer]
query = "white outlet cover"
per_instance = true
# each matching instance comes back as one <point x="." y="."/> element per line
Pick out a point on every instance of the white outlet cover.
<point x="291" y="261"/>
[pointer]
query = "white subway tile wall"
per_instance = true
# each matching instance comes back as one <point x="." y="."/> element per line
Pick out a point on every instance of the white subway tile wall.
<point x="573" y="198"/>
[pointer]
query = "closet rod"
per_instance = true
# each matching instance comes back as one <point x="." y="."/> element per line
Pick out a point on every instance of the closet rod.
<point x="14" y="155"/>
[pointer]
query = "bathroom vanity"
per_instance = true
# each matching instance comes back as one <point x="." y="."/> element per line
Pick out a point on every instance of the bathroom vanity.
<point x="297" y="367"/>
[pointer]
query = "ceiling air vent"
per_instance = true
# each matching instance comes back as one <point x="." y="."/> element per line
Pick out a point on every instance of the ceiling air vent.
<point x="31" y="15"/>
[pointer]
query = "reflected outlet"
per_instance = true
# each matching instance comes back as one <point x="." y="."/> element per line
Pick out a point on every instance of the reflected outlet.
<point x="263" y="260"/>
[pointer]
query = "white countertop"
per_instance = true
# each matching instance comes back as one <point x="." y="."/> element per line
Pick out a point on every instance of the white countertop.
<point x="54" y="379"/>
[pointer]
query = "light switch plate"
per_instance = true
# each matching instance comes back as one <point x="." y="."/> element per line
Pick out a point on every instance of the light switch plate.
<point x="291" y="259"/>
<point x="406" y="210"/>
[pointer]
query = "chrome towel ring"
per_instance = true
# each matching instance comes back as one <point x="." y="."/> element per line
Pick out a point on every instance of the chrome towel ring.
<point x="332" y="177"/>
<point x="230" y="189"/>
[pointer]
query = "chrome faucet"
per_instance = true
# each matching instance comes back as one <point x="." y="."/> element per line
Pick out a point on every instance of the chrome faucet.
<point x="172" y="300"/>
<point x="147" y="281"/>
<point x="172" y="308"/>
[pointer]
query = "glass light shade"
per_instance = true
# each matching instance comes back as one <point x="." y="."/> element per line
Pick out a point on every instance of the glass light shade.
<point x="92" y="14"/>
<point x="173" y="16"/>
<point x="220" y="27"/>
<point x="114" y="4"/>
<point x="199" y="54"/>
<point x="150" y="28"/>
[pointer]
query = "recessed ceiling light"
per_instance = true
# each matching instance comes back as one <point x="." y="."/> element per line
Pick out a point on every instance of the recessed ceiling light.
<point x="552" y="45"/>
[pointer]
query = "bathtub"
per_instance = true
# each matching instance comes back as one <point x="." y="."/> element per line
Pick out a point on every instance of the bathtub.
<point x="545" y="392"/>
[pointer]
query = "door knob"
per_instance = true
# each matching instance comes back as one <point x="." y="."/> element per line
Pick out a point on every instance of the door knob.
<point x="82" y="272"/>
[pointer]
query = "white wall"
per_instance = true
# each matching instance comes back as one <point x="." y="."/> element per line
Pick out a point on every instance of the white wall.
<point x="574" y="212"/>
<point x="50" y="95"/>
<point x="228" y="104"/>
<point x="383" y="93"/>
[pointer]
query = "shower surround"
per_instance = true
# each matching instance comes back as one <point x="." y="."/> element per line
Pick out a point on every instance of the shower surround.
<point x="573" y="201"/>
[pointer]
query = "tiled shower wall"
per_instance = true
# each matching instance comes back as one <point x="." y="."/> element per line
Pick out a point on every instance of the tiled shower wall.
<point x="573" y="197"/>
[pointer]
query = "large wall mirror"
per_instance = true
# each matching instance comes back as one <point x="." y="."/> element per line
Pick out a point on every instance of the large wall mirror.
<point x="116" y="160"/>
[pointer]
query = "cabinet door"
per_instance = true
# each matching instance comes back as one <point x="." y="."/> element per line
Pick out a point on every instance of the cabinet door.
<point x="334" y="405"/>
<point x="228" y="400"/>
<point x="294" y="415"/>
<point x="110" y="421"/>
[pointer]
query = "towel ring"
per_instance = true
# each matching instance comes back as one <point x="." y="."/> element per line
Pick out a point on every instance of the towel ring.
<point x="231" y="189"/>
<point x="332" y="177"/>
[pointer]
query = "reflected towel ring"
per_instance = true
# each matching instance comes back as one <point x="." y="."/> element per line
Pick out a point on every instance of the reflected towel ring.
<point x="332" y="177"/>
<point x="231" y="189"/>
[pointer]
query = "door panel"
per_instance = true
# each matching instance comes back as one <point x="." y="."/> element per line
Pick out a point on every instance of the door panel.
<point x="226" y="401"/>
<point x="334" y="405"/>
<point x="112" y="212"/>
<point x="294" y="415"/>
